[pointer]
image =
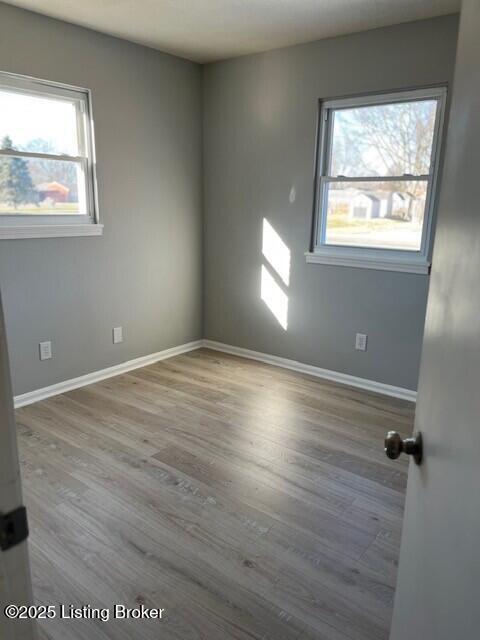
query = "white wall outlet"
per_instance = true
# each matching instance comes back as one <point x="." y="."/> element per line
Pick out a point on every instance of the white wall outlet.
<point x="45" y="349"/>
<point x="117" y="335"/>
<point x="361" y="342"/>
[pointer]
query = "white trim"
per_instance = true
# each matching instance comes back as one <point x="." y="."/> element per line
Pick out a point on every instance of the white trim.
<point x="96" y="376"/>
<point x="50" y="231"/>
<point x="42" y="86"/>
<point x="335" y="376"/>
<point x="75" y="383"/>
<point x="365" y="261"/>
<point x="384" y="97"/>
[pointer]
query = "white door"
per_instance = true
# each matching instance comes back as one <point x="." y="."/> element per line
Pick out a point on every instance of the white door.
<point x="438" y="590"/>
<point x="15" y="583"/>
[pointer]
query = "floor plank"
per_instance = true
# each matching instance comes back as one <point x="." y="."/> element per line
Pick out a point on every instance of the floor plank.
<point x="246" y="500"/>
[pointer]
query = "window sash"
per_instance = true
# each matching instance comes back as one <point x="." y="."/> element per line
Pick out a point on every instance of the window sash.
<point x="33" y="220"/>
<point x="406" y="177"/>
<point x="329" y="125"/>
<point x="324" y="159"/>
<point x="322" y="241"/>
<point x="13" y="153"/>
<point x="85" y="216"/>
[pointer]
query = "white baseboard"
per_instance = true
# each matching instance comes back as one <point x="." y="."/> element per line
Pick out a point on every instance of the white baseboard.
<point x="335" y="376"/>
<point x="96" y="376"/>
<point x="343" y="378"/>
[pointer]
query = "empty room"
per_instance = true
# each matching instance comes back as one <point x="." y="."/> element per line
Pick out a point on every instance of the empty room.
<point x="239" y="336"/>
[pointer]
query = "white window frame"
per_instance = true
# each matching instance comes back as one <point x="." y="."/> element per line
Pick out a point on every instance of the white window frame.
<point x="22" y="225"/>
<point x="369" y="257"/>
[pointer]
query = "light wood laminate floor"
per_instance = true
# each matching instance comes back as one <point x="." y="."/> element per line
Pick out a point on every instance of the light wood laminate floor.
<point x="248" y="501"/>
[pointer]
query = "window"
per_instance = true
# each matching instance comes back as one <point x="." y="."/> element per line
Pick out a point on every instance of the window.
<point x="377" y="161"/>
<point x="47" y="166"/>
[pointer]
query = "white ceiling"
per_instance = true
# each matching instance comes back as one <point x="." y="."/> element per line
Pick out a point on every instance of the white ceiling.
<point x="206" y="30"/>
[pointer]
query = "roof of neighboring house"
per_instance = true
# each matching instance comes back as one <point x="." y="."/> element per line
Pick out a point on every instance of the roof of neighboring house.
<point x="384" y="195"/>
<point x="53" y="186"/>
<point x="376" y="197"/>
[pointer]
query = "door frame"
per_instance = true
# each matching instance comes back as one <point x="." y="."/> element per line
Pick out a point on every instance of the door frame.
<point x="15" y="576"/>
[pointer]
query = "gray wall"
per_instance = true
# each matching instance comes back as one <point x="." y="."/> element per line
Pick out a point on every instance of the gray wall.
<point x="145" y="273"/>
<point x="259" y="130"/>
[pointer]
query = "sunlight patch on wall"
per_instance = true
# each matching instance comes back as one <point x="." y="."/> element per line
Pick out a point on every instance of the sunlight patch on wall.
<point x="275" y="299"/>
<point x="276" y="252"/>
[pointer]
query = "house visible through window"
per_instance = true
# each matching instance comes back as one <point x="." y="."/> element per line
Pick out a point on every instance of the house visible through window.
<point x="46" y="158"/>
<point x="377" y="162"/>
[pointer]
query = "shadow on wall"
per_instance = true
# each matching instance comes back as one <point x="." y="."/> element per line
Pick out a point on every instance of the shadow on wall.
<point x="275" y="274"/>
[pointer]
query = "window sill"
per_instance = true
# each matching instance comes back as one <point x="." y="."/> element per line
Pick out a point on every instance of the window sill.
<point x="50" y="231"/>
<point x="380" y="263"/>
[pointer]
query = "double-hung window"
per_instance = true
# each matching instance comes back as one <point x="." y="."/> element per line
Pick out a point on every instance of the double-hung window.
<point x="376" y="169"/>
<point x="47" y="163"/>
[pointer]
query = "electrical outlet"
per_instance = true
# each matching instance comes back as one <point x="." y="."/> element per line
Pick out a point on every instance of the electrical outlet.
<point x="361" y="342"/>
<point x="117" y="335"/>
<point x="45" y="349"/>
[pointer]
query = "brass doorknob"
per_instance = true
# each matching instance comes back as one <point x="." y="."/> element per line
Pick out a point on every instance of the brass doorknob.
<point x="394" y="446"/>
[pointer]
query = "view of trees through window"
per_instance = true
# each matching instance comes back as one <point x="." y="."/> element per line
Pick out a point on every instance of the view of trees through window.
<point x="390" y="146"/>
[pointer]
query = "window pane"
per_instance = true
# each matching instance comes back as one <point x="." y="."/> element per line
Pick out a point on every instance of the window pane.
<point x="382" y="215"/>
<point x="37" y="124"/>
<point x="383" y="140"/>
<point x="37" y="186"/>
